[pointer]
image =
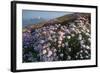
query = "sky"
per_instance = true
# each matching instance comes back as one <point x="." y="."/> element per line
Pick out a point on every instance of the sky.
<point x="29" y="14"/>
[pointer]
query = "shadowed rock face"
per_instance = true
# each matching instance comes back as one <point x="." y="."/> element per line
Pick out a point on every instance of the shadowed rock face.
<point x="61" y="39"/>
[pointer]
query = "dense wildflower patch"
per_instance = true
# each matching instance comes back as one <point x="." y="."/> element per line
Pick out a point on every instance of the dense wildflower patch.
<point x="58" y="42"/>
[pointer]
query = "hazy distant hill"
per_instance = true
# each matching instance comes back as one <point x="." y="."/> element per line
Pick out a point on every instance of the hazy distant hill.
<point x="28" y="22"/>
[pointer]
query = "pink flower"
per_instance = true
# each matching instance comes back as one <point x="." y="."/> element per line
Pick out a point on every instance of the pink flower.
<point x="44" y="32"/>
<point x="59" y="42"/>
<point x="49" y="38"/>
<point x="42" y="41"/>
<point x="44" y="51"/>
<point x="61" y="54"/>
<point x="61" y="33"/>
<point x="68" y="37"/>
<point x="44" y="46"/>
<point x="63" y="45"/>
<point x="54" y="50"/>
<point x="48" y="49"/>
<point x="72" y="29"/>
<point x="72" y="35"/>
<point x="87" y="47"/>
<point x="80" y="37"/>
<point x="55" y="40"/>
<point x="59" y="45"/>
<point x="51" y="31"/>
<point x="88" y="30"/>
<point x="49" y="53"/>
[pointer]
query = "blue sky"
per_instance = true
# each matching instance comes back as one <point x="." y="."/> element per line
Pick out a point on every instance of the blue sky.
<point x="29" y="14"/>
